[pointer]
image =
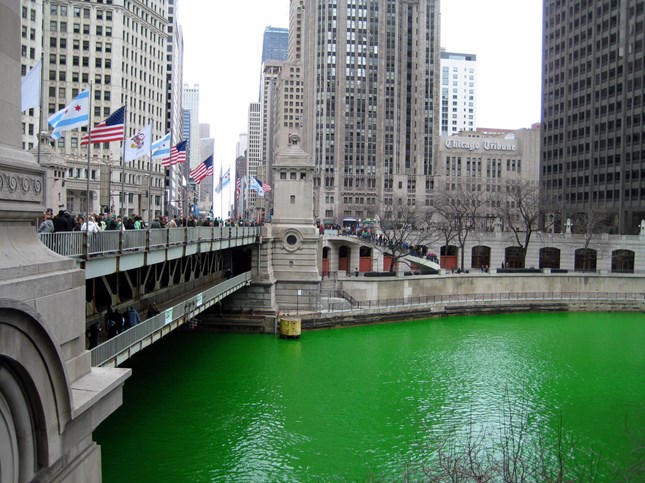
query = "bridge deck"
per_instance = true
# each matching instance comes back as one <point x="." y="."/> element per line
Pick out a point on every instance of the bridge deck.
<point x="115" y="351"/>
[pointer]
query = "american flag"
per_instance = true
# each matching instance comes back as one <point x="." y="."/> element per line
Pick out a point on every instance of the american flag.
<point x="177" y="155"/>
<point x="265" y="187"/>
<point x="112" y="129"/>
<point x="238" y="187"/>
<point x="204" y="169"/>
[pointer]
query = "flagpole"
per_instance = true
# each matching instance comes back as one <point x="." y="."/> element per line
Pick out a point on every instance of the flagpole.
<point x="125" y="131"/>
<point x="150" y="180"/>
<point x="221" y="194"/>
<point x="87" y="190"/>
<point x="40" y="104"/>
<point x="89" y="167"/>
<point x="168" y="190"/>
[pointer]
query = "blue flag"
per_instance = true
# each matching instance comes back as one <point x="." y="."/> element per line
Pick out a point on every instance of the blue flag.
<point x="161" y="148"/>
<point x="77" y="114"/>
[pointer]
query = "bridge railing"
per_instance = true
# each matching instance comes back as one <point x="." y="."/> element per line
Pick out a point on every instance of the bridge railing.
<point x="122" y="345"/>
<point x="79" y="244"/>
<point x="479" y="298"/>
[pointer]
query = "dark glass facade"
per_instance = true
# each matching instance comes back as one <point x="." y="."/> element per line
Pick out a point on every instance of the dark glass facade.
<point x="593" y="115"/>
<point x="275" y="45"/>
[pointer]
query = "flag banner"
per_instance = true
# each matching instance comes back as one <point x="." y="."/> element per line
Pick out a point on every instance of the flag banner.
<point x="112" y="129"/>
<point x="177" y="154"/>
<point x="161" y="148"/>
<point x="30" y="88"/>
<point x="77" y="114"/>
<point x="204" y="169"/>
<point x="226" y="179"/>
<point x="255" y="186"/>
<point x="218" y="188"/>
<point x="139" y="144"/>
<point x="238" y="187"/>
<point x="265" y="187"/>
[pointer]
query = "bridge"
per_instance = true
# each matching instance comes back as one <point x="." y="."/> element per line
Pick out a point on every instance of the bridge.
<point x="185" y="270"/>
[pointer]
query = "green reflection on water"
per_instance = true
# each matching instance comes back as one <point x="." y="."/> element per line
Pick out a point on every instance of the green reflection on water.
<point x="356" y="403"/>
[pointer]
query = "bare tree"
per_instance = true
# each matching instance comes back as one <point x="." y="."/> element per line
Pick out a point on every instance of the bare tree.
<point x="521" y="207"/>
<point x="402" y="228"/>
<point x="457" y="212"/>
<point x="520" y="450"/>
<point x="593" y="221"/>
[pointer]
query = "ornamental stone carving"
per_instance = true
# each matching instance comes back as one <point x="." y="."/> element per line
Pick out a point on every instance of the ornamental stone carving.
<point x="294" y="139"/>
<point x="18" y="186"/>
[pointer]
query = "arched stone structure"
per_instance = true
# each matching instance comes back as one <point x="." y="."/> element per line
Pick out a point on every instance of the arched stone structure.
<point x="480" y="257"/>
<point x="51" y="399"/>
<point x="513" y="257"/>
<point x="622" y="261"/>
<point x="365" y="259"/>
<point x="344" y="258"/>
<point x="585" y="260"/>
<point x="549" y="258"/>
<point x="325" y="261"/>
<point x="35" y="393"/>
<point x="449" y="257"/>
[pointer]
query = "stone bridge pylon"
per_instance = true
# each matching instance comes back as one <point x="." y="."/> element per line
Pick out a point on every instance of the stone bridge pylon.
<point x="51" y="399"/>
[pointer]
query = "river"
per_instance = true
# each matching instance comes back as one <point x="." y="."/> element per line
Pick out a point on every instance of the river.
<point x="375" y="402"/>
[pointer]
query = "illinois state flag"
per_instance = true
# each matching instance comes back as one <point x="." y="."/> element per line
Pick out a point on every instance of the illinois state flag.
<point x="76" y="114"/>
<point x="139" y="144"/>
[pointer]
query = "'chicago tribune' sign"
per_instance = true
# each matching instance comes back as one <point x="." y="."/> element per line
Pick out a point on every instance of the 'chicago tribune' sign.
<point x="477" y="145"/>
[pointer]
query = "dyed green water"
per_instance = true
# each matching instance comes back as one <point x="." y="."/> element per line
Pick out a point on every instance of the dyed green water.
<point x="360" y="403"/>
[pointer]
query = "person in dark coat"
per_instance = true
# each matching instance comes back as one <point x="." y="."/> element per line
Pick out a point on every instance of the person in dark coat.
<point x="93" y="335"/>
<point x="153" y="310"/>
<point x="112" y="322"/>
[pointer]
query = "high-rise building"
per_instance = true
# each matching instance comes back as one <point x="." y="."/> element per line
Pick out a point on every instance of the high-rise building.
<point x="275" y="48"/>
<point x="371" y="70"/>
<point x="254" y="154"/>
<point x="275" y="45"/>
<point x="458" y="92"/>
<point x="269" y="101"/>
<point x="593" y="134"/>
<point x="191" y="104"/>
<point x="174" y="99"/>
<point x="204" y="190"/>
<point x="118" y="49"/>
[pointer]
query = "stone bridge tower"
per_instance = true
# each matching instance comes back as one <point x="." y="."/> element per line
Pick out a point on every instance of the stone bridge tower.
<point x="286" y="263"/>
<point x="51" y="399"/>
<point x="295" y="240"/>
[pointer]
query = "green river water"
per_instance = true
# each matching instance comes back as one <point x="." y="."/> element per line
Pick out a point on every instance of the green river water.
<point x="369" y="403"/>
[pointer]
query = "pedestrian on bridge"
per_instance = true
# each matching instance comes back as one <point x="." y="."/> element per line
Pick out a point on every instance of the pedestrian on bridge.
<point x="131" y="318"/>
<point x="113" y="322"/>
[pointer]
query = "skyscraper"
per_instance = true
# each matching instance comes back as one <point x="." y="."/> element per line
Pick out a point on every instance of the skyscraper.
<point x="191" y="103"/>
<point x="370" y="74"/>
<point x="593" y="108"/>
<point x="275" y="45"/>
<point x="458" y="92"/>
<point x="119" y="49"/>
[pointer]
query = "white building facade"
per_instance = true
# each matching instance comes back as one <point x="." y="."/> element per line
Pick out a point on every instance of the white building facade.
<point x="458" y="92"/>
<point x="118" y="49"/>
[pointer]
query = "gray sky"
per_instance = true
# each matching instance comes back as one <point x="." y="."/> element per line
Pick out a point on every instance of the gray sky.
<point x="223" y="45"/>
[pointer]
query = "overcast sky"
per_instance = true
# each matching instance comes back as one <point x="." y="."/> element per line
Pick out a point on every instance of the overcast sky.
<point x="223" y="49"/>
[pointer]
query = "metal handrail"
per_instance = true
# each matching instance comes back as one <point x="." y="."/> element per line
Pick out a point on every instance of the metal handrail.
<point x="80" y="244"/>
<point x="431" y="301"/>
<point x="179" y="313"/>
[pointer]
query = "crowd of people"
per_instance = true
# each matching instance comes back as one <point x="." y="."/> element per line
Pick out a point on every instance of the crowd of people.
<point x="48" y="222"/>
<point x="117" y="322"/>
